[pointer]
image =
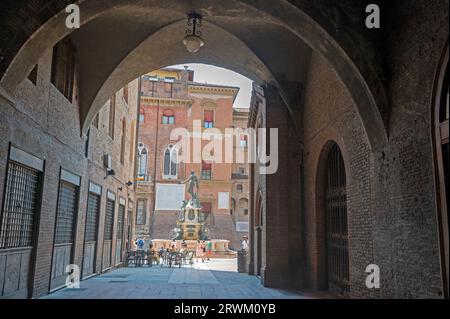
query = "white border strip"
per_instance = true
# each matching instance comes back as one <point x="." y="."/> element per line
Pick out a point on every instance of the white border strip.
<point x="94" y="188"/>
<point x="22" y="157"/>
<point x="111" y="195"/>
<point x="70" y="178"/>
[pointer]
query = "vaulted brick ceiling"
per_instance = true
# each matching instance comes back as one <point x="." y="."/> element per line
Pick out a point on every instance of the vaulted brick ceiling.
<point x="268" y="41"/>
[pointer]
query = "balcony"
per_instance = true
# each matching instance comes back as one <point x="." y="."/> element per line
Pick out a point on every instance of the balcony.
<point x="239" y="176"/>
<point x="143" y="179"/>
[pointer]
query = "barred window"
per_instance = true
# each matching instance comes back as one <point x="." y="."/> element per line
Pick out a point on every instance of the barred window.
<point x="66" y="213"/>
<point x="20" y="206"/>
<point x="109" y="219"/>
<point x="92" y="217"/>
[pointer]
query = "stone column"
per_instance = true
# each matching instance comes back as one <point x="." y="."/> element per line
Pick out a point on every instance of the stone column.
<point x="281" y="220"/>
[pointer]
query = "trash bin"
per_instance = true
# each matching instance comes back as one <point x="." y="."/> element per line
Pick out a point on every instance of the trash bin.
<point x="242" y="261"/>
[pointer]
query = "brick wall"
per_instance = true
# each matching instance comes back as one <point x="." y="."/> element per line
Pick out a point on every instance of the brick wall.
<point x="43" y="122"/>
<point x="404" y="203"/>
<point x="329" y="115"/>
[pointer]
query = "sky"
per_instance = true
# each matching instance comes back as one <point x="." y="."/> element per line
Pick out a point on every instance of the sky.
<point x="204" y="73"/>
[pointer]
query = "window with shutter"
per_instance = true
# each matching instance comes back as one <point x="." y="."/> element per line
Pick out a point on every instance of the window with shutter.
<point x="206" y="173"/>
<point x="208" y="119"/>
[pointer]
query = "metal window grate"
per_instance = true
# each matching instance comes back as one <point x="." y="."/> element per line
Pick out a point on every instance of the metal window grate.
<point x="109" y="219"/>
<point x="92" y="217"/>
<point x="20" y="205"/>
<point x="336" y="220"/>
<point x="120" y="221"/>
<point x="66" y="213"/>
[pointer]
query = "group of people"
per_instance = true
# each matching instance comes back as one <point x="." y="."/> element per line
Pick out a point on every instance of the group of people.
<point x="203" y="249"/>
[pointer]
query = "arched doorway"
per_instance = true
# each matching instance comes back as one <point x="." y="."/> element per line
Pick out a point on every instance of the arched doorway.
<point x="440" y="115"/>
<point x="336" y="229"/>
<point x="258" y="233"/>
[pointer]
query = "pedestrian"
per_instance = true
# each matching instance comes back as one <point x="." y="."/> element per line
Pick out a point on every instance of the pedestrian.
<point x="208" y="249"/>
<point x="139" y="243"/>
<point x="200" y="251"/>
<point x="173" y="245"/>
<point x="244" y="244"/>
<point x="150" y="244"/>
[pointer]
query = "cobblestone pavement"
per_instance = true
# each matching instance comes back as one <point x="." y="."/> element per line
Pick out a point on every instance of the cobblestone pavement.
<point x="214" y="279"/>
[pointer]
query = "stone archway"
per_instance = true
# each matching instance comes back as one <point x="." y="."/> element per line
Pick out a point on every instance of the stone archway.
<point x="440" y="120"/>
<point x="303" y="23"/>
<point x="322" y="220"/>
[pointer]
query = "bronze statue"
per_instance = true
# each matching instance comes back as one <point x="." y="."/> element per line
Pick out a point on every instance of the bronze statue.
<point x="193" y="182"/>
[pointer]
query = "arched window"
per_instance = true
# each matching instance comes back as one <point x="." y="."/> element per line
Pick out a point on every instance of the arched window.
<point x="336" y="223"/>
<point x="170" y="169"/>
<point x="168" y="117"/>
<point x="143" y="158"/>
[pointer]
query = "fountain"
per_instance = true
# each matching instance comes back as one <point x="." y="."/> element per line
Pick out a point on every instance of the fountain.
<point x="191" y="227"/>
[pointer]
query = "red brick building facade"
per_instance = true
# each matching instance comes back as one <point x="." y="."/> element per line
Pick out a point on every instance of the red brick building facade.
<point x="171" y="100"/>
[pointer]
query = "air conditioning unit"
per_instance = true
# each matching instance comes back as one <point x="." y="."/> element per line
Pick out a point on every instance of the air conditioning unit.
<point x="107" y="161"/>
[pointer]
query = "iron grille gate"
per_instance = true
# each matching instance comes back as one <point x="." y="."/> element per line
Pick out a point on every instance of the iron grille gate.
<point x="65" y="219"/>
<point x="120" y="233"/>
<point x="18" y="221"/>
<point x="109" y="219"/>
<point x="92" y="217"/>
<point x="64" y="233"/>
<point x="336" y="224"/>
<point x="108" y="234"/>
<point x="90" y="236"/>
<point x="19" y="211"/>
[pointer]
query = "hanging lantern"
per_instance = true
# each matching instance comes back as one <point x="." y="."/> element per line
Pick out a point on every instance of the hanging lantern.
<point x="193" y="40"/>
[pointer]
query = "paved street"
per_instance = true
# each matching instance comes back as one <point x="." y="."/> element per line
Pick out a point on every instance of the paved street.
<point x="210" y="280"/>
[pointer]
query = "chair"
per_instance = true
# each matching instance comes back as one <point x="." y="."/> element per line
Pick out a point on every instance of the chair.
<point x="131" y="258"/>
<point x="164" y="255"/>
<point x="176" y="259"/>
<point x="189" y="257"/>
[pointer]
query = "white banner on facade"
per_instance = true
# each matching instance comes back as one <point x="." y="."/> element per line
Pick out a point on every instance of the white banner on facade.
<point x="169" y="196"/>
<point x="224" y="200"/>
<point x="242" y="226"/>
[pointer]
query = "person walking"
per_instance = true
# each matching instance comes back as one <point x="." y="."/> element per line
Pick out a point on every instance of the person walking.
<point x="244" y="244"/>
<point x="200" y="251"/>
<point x="208" y="249"/>
<point x="139" y="243"/>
